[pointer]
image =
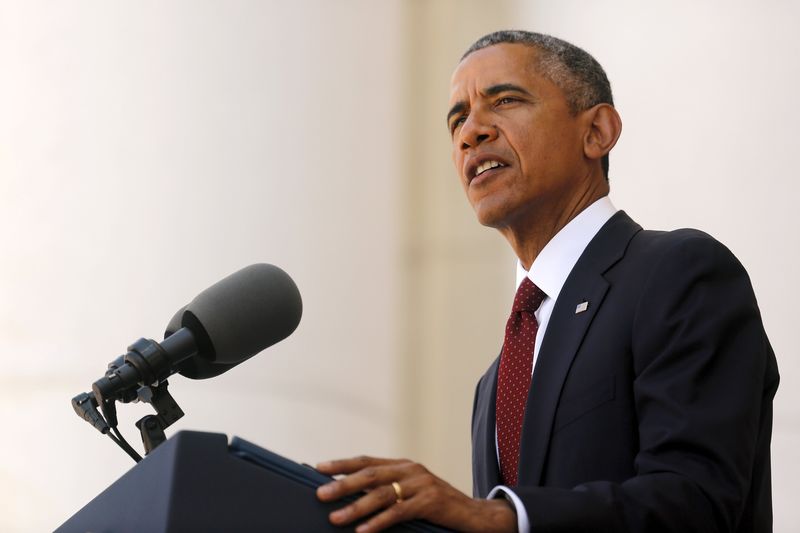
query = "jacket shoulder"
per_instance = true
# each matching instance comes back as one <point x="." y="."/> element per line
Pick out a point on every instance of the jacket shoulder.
<point x="682" y="245"/>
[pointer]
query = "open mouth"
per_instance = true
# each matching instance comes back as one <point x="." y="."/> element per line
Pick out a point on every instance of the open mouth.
<point x="486" y="166"/>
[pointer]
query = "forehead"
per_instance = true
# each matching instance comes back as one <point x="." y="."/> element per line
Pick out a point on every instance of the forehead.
<point x="493" y="65"/>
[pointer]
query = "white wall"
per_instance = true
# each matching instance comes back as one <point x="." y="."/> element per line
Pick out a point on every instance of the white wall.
<point x="708" y="91"/>
<point x="147" y="149"/>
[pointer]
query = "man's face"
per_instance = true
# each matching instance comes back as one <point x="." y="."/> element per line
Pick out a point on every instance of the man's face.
<point x="517" y="147"/>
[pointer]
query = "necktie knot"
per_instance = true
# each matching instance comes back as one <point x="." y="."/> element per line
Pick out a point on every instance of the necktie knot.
<point x="528" y="298"/>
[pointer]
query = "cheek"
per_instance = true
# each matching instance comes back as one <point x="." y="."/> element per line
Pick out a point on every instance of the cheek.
<point x="458" y="164"/>
<point x="527" y="145"/>
<point x="541" y="155"/>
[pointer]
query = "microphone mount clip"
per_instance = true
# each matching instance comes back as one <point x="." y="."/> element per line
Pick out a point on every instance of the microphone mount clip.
<point x="167" y="413"/>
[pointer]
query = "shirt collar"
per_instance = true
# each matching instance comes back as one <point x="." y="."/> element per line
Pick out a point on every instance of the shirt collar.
<point x="552" y="266"/>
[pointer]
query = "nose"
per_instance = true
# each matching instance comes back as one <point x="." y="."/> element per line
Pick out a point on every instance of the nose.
<point x="476" y="129"/>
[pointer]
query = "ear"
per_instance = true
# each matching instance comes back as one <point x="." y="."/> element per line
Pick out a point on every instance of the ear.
<point x="603" y="129"/>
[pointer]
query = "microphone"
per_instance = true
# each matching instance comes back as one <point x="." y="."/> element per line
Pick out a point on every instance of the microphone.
<point x="224" y="325"/>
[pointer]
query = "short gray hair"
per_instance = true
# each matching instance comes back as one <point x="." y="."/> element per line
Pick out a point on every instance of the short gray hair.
<point x="573" y="70"/>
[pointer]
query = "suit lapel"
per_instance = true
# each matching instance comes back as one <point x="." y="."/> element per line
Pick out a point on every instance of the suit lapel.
<point x="486" y="474"/>
<point x="565" y="332"/>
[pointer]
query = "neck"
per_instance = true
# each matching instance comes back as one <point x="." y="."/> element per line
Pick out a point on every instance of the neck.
<point x="529" y="234"/>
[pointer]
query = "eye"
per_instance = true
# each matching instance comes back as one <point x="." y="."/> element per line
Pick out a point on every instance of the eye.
<point x="505" y="100"/>
<point x="457" y="122"/>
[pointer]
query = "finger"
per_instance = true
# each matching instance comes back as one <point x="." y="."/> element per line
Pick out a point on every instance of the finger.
<point x="364" y="479"/>
<point x="348" y="466"/>
<point x="366" y="505"/>
<point x="422" y="493"/>
<point x="385" y="496"/>
<point x="399" y="512"/>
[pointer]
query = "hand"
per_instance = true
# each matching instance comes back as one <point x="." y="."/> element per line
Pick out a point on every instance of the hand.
<point x="423" y="496"/>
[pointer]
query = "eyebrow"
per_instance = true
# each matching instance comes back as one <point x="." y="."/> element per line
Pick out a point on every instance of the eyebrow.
<point x="504" y="88"/>
<point x="489" y="91"/>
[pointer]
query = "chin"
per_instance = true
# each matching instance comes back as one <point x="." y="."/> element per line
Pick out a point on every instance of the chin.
<point x="491" y="216"/>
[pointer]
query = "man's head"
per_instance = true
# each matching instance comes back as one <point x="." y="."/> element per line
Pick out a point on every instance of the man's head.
<point x="578" y="74"/>
<point x="542" y="109"/>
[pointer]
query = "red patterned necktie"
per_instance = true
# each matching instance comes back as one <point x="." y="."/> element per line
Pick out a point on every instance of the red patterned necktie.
<point x="514" y="377"/>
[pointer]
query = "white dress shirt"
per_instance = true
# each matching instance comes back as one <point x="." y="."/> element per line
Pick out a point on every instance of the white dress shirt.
<point x="549" y="271"/>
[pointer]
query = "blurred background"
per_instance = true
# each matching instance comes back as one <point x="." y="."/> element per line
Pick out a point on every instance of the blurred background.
<point x="149" y="148"/>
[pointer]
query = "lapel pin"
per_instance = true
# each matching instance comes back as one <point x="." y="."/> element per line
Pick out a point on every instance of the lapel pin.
<point x="583" y="306"/>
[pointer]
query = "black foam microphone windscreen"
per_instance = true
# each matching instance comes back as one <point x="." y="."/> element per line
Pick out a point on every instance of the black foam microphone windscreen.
<point x="237" y="317"/>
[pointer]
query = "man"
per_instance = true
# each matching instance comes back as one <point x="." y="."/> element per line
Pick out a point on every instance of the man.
<point x="649" y="407"/>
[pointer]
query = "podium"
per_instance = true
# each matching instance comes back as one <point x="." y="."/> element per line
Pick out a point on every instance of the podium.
<point x="197" y="482"/>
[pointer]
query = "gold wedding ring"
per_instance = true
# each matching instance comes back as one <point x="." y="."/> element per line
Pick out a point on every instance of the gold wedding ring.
<point x="397" y="491"/>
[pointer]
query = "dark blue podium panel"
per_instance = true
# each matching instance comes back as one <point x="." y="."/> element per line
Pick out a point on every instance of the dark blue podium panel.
<point x="195" y="483"/>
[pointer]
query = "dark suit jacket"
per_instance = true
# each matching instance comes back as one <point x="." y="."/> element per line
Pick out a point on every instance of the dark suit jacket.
<point x="652" y="410"/>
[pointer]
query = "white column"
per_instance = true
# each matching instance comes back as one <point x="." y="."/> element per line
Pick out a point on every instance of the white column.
<point x="148" y="149"/>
